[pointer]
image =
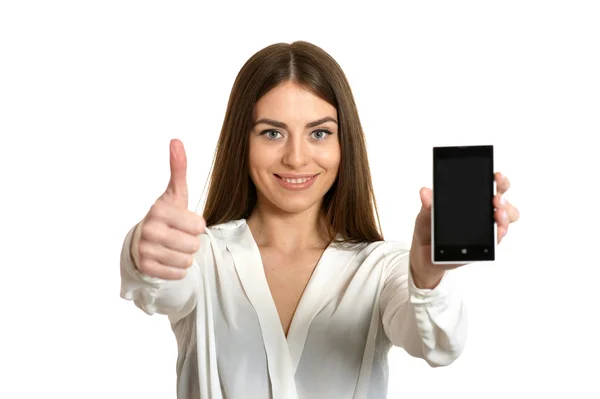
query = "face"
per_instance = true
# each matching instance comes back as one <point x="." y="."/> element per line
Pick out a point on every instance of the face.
<point x="294" y="149"/>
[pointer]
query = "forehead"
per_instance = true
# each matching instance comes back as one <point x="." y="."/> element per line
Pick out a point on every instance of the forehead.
<point x="288" y="102"/>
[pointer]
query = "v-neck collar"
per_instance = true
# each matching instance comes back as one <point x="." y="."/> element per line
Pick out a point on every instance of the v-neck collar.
<point x="311" y="302"/>
<point x="248" y="264"/>
<point x="283" y="353"/>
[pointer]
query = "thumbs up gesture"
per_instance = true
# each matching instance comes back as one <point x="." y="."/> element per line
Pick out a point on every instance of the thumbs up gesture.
<point x="167" y="238"/>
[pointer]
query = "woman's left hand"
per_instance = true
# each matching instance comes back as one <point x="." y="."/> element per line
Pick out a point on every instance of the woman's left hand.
<point x="425" y="273"/>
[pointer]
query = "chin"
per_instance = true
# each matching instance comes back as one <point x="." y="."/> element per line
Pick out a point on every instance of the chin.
<point x="296" y="205"/>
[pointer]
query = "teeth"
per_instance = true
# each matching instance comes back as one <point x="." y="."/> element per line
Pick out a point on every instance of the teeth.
<point x="297" y="181"/>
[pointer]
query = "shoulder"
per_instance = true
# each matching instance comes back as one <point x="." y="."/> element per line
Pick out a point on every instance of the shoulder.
<point x="228" y="229"/>
<point x="386" y="248"/>
<point x="380" y="254"/>
<point x="223" y="234"/>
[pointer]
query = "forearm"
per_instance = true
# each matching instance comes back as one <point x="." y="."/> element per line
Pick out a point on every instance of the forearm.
<point x="428" y="323"/>
<point x="441" y="320"/>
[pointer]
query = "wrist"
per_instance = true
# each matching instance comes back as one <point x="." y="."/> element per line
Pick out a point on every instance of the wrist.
<point x="425" y="277"/>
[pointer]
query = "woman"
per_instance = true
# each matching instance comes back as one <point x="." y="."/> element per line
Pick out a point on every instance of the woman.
<point x="285" y="288"/>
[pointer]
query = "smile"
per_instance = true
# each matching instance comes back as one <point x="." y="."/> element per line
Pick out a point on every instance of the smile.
<point x="296" y="183"/>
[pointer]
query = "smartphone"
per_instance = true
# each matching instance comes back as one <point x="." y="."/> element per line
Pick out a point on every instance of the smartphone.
<point x="463" y="228"/>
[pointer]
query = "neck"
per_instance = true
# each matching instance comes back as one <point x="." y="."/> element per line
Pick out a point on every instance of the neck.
<point x="288" y="232"/>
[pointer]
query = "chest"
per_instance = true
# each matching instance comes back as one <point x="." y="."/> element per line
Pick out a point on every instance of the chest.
<point x="287" y="276"/>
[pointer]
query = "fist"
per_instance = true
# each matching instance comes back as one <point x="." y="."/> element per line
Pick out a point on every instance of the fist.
<point x="167" y="238"/>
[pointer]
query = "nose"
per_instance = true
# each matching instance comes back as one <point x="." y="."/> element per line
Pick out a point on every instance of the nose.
<point x="296" y="152"/>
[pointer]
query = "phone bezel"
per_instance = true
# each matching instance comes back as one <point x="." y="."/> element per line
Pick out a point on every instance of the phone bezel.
<point x="473" y="253"/>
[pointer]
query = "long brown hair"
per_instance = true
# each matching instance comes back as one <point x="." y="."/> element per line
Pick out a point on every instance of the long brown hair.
<point x="349" y="206"/>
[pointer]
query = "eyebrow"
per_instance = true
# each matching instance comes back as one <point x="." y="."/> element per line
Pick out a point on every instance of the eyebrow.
<point x="282" y="125"/>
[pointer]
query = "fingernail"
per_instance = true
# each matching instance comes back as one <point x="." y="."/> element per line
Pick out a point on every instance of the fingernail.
<point x="504" y="215"/>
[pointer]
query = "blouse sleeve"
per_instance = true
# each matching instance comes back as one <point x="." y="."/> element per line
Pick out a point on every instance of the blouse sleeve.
<point x="174" y="298"/>
<point x="428" y="323"/>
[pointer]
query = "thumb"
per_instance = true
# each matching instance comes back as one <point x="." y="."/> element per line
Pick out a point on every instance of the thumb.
<point x="423" y="220"/>
<point x="426" y="198"/>
<point x="177" y="187"/>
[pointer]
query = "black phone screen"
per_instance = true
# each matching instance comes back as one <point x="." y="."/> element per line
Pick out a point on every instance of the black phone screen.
<point x="463" y="211"/>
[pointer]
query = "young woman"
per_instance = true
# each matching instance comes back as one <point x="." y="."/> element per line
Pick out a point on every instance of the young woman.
<point x="285" y="288"/>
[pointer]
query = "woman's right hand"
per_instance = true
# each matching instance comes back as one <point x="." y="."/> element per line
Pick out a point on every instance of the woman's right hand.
<point x="166" y="240"/>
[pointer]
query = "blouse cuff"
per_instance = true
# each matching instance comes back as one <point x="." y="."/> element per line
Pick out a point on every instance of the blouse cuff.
<point x="424" y="296"/>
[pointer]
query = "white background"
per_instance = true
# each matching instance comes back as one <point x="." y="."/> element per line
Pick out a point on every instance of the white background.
<point x="91" y="92"/>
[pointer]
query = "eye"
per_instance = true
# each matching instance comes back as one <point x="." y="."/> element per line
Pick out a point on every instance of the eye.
<point x="321" y="134"/>
<point x="271" y="134"/>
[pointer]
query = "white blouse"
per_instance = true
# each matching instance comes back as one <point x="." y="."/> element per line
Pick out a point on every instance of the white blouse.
<point x="359" y="302"/>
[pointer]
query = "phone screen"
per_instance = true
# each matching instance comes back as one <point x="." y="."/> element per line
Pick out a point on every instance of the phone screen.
<point x="463" y="211"/>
